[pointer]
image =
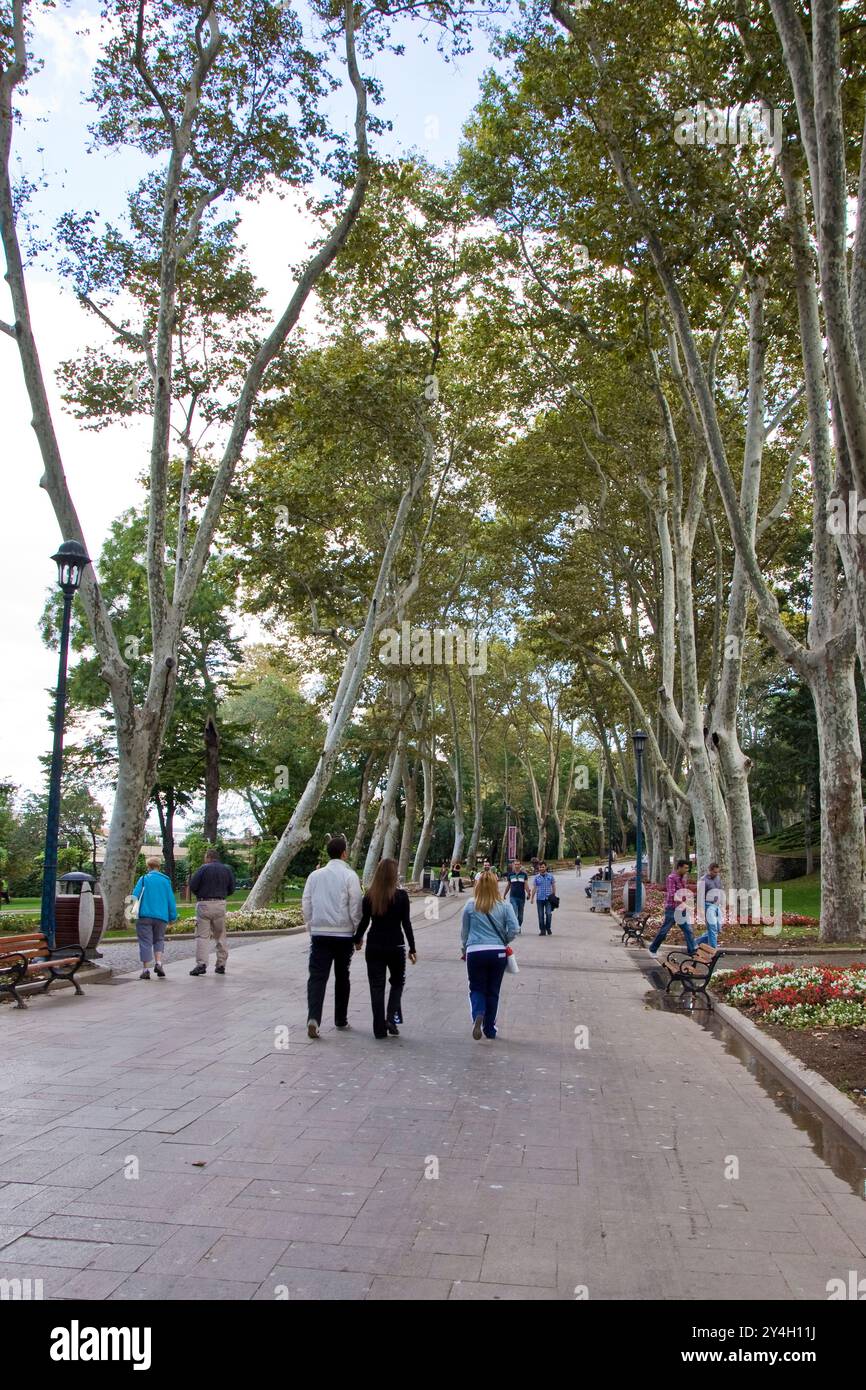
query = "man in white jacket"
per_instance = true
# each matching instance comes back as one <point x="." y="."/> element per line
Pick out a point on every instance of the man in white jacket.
<point x="332" y="910"/>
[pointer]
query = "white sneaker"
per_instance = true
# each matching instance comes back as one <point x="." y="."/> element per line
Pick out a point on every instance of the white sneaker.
<point x="312" y="1028"/>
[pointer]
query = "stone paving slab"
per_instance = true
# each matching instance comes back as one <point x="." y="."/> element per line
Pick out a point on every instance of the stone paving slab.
<point x="426" y="1167"/>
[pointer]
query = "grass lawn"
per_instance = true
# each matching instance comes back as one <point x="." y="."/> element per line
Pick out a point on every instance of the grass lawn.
<point x="800" y="895"/>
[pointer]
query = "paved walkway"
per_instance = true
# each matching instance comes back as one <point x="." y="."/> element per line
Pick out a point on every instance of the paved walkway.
<point x="159" y="1141"/>
<point x="123" y="956"/>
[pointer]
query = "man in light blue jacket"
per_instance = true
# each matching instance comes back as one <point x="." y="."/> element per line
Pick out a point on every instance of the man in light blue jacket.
<point x="156" y="909"/>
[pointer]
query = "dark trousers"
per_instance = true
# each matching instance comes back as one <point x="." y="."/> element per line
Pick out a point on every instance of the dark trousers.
<point x="326" y="951"/>
<point x="379" y="960"/>
<point x="518" y="904"/>
<point x="545" y="916"/>
<point x="485" y="969"/>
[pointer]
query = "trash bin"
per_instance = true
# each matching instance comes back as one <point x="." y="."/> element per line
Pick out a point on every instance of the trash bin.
<point x="78" y="910"/>
<point x="629" y="896"/>
<point x="427" y="881"/>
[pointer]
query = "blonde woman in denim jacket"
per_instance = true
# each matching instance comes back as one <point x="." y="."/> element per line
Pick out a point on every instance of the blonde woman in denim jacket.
<point x="488" y="925"/>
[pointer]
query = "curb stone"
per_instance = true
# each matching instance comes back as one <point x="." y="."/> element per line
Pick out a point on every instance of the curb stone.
<point x="823" y="1094"/>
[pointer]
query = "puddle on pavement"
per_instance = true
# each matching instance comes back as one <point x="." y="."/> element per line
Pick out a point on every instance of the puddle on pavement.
<point x="829" y="1142"/>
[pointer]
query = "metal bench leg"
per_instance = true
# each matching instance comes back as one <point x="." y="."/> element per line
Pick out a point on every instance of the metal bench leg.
<point x="17" y="997"/>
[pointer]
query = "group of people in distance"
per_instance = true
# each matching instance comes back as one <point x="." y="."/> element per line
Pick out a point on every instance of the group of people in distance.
<point x="340" y="916"/>
<point x="542" y="891"/>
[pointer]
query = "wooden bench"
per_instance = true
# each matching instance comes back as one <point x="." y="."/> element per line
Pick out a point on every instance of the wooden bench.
<point x="692" y="972"/>
<point x="635" y="927"/>
<point x="26" y="959"/>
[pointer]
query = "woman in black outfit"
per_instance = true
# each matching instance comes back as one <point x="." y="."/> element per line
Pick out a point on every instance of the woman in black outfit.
<point x="385" y="910"/>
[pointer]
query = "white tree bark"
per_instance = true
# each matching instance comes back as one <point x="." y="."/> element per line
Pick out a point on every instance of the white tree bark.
<point x="140" y="730"/>
<point x="456" y="765"/>
<point x="427" y="748"/>
<point x="475" y="743"/>
<point x="297" y="832"/>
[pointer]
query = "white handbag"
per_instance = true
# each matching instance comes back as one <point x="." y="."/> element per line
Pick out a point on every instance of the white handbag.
<point x="511" y="965"/>
<point x="131" y="909"/>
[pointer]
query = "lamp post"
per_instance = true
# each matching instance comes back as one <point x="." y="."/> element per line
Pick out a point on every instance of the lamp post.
<point x="639" y="738"/>
<point x="71" y="560"/>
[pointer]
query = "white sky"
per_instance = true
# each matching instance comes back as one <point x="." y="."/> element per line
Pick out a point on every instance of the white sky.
<point x="427" y="101"/>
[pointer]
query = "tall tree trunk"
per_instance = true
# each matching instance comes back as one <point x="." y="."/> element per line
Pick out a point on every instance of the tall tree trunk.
<point x="389" y="844"/>
<point x="456" y="762"/>
<point x="367" y="783"/>
<point x="722" y="720"/>
<point x="475" y="740"/>
<point x="429" y="769"/>
<point x="410" y="806"/>
<point x="211" y="779"/>
<point x="136" y="774"/>
<point x="383" y="820"/>
<point x="843" y="859"/>
<point x="165" y="816"/>
<point x="297" y="832"/>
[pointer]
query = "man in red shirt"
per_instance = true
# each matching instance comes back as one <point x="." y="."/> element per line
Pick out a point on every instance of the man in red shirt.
<point x="677" y="898"/>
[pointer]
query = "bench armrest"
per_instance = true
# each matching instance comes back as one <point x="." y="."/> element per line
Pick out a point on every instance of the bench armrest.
<point x="11" y="962"/>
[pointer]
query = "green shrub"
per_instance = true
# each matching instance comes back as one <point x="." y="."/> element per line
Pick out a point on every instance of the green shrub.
<point x="269" y="919"/>
<point x="19" y="922"/>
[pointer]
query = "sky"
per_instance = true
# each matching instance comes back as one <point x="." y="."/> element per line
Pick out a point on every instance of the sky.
<point x="427" y="100"/>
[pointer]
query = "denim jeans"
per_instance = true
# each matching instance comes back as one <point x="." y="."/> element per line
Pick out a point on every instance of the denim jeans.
<point x="518" y="903"/>
<point x="485" y="969"/>
<point x="545" y="916"/>
<point x="714" y="923"/>
<point x="671" y="921"/>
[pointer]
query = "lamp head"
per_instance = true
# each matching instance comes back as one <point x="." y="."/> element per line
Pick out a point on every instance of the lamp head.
<point x="639" y="739"/>
<point x="71" y="560"/>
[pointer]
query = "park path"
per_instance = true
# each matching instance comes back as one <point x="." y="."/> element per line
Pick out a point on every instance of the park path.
<point x="257" y="1171"/>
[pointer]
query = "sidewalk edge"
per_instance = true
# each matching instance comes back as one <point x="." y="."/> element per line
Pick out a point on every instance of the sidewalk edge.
<point x="823" y="1094"/>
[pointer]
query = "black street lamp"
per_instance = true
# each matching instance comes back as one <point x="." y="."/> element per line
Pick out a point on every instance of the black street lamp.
<point x="71" y="560"/>
<point x="639" y="738"/>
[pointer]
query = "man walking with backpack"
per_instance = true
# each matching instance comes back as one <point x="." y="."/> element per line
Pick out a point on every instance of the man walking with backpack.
<point x="332" y="908"/>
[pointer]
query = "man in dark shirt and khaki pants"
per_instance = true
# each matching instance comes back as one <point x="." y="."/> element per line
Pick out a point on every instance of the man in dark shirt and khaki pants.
<point x="211" y="884"/>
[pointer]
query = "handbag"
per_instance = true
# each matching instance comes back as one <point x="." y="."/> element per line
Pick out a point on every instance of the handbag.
<point x="554" y="902"/>
<point x="131" y="909"/>
<point x="510" y="958"/>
